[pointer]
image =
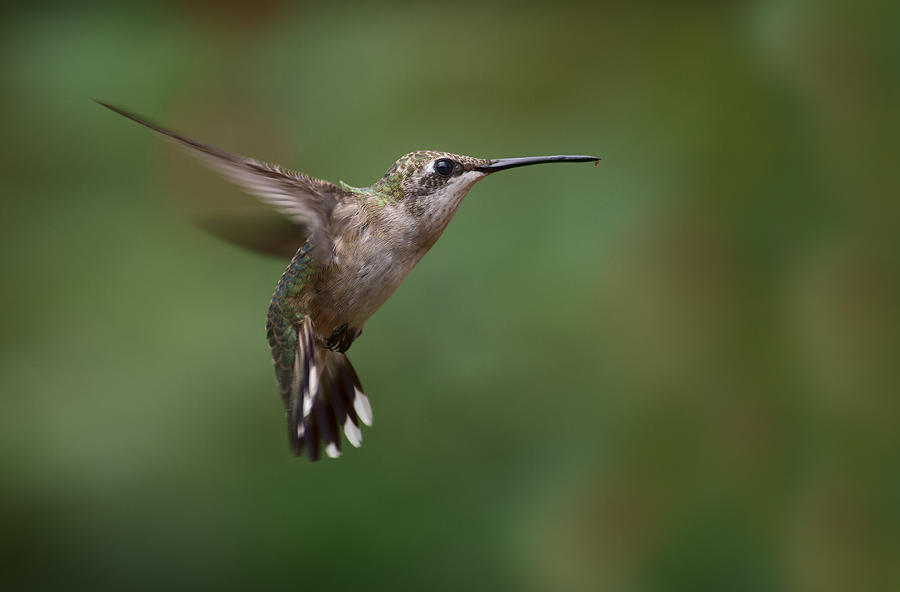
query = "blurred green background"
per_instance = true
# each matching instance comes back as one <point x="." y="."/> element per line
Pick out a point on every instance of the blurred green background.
<point x="677" y="371"/>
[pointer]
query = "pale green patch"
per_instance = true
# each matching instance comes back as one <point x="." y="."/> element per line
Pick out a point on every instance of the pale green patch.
<point x="386" y="191"/>
<point x="357" y="190"/>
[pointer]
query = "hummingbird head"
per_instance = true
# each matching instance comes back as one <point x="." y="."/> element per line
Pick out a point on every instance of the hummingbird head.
<point x="425" y="174"/>
<point x="429" y="185"/>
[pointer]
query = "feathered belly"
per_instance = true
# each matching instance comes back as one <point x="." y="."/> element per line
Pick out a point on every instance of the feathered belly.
<point x="354" y="288"/>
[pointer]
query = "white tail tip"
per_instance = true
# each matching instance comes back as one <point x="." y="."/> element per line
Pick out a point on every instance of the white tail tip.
<point x="353" y="433"/>
<point x="362" y="407"/>
<point x="332" y="450"/>
<point x="313" y="380"/>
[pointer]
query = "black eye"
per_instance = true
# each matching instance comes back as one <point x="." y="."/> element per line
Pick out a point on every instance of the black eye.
<point x="444" y="167"/>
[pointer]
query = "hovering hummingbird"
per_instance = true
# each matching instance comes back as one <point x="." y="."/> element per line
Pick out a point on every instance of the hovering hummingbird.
<point x="357" y="245"/>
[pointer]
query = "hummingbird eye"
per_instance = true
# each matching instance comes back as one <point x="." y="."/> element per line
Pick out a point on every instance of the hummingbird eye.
<point x="444" y="167"/>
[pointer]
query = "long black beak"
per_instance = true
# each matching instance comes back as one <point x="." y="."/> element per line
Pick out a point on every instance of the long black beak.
<point x="507" y="163"/>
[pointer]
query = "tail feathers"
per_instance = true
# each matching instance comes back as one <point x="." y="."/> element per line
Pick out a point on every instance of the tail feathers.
<point x="325" y="397"/>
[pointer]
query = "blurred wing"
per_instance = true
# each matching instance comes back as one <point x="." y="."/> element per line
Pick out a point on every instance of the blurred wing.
<point x="253" y="227"/>
<point x="305" y="201"/>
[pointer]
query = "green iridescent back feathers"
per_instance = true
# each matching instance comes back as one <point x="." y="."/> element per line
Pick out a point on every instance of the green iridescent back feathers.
<point x="283" y="320"/>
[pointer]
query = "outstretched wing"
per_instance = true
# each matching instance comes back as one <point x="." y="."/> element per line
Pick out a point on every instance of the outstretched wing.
<point x="306" y="201"/>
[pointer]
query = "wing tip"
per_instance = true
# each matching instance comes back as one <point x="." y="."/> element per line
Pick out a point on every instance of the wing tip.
<point x="120" y="111"/>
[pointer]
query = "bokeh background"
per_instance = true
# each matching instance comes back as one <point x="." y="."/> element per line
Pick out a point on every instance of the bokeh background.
<point x="677" y="371"/>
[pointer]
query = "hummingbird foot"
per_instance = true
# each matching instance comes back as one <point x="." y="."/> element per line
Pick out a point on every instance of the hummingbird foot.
<point x="342" y="338"/>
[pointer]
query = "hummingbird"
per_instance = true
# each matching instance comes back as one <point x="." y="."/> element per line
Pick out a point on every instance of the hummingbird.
<point x="354" y="247"/>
